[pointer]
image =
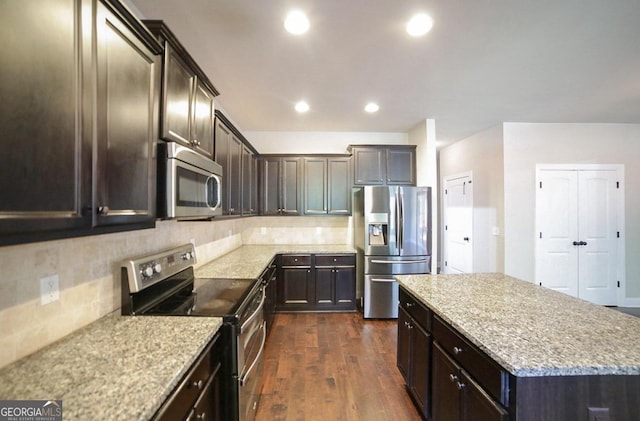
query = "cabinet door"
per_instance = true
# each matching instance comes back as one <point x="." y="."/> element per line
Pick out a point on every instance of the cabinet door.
<point x="369" y="166"/>
<point x="404" y="343"/>
<point x="248" y="184"/>
<point x="339" y="186"/>
<point x="234" y="176"/>
<point x="177" y="102"/>
<point x="291" y="179"/>
<point x="401" y="166"/>
<point x="315" y="186"/>
<point x="477" y="404"/>
<point x="45" y="162"/>
<point x="420" y="367"/>
<point x="270" y="186"/>
<point x="128" y="75"/>
<point x="325" y="287"/>
<point x="446" y="403"/>
<point x="203" y="120"/>
<point x="295" y="288"/>
<point x="345" y="287"/>
<point x="222" y="139"/>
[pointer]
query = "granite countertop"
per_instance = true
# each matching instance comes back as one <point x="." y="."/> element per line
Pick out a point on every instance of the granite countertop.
<point x="248" y="262"/>
<point x="531" y="330"/>
<point x="117" y="368"/>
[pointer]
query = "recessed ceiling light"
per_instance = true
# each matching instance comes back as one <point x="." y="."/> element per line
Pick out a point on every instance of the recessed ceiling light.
<point x="296" y="22"/>
<point x="419" y="24"/>
<point x="371" y="107"/>
<point x="302" y="107"/>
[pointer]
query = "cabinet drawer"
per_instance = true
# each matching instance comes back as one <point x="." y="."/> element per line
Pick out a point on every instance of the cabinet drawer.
<point x="484" y="370"/>
<point x="419" y="312"/>
<point x="296" y="260"/>
<point x="335" y="260"/>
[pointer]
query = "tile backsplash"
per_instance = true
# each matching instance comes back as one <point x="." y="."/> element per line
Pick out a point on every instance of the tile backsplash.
<point x="88" y="269"/>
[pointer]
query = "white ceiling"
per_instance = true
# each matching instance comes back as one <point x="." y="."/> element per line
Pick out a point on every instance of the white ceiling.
<point x="484" y="62"/>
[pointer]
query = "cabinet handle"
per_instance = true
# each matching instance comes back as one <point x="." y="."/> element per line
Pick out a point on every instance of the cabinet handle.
<point x="308" y="270"/>
<point x="457" y="350"/>
<point x="202" y="416"/>
<point x="103" y="210"/>
<point x="197" y="384"/>
<point x="453" y="378"/>
<point x="409" y="305"/>
<point x="460" y="385"/>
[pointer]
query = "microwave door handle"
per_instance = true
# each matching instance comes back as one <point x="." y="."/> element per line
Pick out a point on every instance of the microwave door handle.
<point x="214" y="179"/>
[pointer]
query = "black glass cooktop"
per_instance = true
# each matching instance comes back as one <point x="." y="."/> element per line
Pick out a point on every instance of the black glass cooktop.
<point x="220" y="297"/>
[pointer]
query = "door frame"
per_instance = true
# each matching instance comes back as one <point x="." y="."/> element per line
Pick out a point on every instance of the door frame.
<point x="445" y="235"/>
<point x="621" y="259"/>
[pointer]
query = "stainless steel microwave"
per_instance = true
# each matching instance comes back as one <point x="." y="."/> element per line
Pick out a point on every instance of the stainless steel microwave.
<point x="189" y="184"/>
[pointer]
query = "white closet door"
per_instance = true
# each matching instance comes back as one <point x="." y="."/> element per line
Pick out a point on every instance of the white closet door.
<point x="597" y="269"/>
<point x="458" y="219"/>
<point x="557" y="229"/>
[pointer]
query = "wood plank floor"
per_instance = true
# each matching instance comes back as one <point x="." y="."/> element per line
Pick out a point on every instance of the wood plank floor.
<point x="333" y="366"/>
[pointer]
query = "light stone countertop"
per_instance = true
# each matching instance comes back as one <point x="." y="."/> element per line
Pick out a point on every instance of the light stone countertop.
<point x="248" y="262"/>
<point x="117" y="368"/>
<point x="531" y="330"/>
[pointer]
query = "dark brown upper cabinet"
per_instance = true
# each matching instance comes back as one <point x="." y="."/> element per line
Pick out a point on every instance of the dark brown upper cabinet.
<point x="327" y="185"/>
<point x="79" y="116"/>
<point x="239" y="168"/>
<point x="187" y="95"/>
<point x="281" y="185"/>
<point x="383" y="164"/>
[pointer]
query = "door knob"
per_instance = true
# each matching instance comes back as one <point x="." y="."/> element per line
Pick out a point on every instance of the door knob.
<point x="576" y="243"/>
<point x="466" y="238"/>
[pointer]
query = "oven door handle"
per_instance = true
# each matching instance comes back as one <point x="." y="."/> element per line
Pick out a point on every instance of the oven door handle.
<point x="245" y="376"/>
<point x="255" y="313"/>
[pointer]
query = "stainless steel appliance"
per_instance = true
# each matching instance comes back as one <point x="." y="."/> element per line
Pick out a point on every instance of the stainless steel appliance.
<point x="164" y="284"/>
<point x="189" y="184"/>
<point x="392" y="226"/>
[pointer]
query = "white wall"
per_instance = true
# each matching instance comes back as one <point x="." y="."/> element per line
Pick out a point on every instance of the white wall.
<point x="423" y="135"/>
<point x="528" y="144"/>
<point x="482" y="154"/>
<point x="319" y="142"/>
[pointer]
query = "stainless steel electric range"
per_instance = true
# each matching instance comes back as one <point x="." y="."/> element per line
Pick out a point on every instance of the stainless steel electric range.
<point x="164" y="284"/>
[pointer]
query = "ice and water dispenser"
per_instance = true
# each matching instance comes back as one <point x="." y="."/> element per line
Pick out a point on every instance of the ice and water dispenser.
<point x="378" y="234"/>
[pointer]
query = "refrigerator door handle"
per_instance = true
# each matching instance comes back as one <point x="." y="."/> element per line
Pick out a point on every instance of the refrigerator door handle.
<point x="401" y="225"/>
<point x="397" y="220"/>
<point x="383" y="280"/>
<point x="402" y="262"/>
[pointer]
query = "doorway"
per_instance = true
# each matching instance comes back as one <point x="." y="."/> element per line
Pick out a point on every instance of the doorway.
<point x="458" y="223"/>
<point x="579" y="227"/>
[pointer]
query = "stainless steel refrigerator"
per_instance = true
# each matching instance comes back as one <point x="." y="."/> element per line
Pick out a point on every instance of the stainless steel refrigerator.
<point x="392" y="228"/>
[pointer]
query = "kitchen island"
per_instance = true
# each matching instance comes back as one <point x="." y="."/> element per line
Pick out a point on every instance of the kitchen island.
<point x="117" y="368"/>
<point x="554" y="356"/>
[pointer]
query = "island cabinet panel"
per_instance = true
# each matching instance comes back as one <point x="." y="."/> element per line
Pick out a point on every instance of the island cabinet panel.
<point x="316" y="282"/>
<point x="414" y="351"/>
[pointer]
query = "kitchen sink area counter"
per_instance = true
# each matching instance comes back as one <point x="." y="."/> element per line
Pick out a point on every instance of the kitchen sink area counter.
<point x="531" y="330"/>
<point x="248" y="262"/>
<point x="117" y="368"/>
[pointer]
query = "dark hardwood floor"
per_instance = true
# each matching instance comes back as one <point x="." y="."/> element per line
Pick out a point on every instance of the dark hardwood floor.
<point x="333" y="366"/>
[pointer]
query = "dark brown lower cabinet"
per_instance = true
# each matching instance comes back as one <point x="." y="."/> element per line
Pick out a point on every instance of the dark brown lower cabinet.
<point x="316" y="282"/>
<point x="414" y="358"/>
<point x="199" y="394"/>
<point x="456" y="397"/>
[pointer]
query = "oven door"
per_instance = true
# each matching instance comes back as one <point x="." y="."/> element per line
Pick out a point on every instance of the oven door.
<point x="251" y="340"/>
<point x="193" y="184"/>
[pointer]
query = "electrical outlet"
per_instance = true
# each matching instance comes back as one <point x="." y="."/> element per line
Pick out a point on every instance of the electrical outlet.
<point x="598" y="414"/>
<point x="49" y="289"/>
<point x="263" y="230"/>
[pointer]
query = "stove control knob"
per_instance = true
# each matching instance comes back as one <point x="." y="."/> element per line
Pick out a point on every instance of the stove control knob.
<point x="157" y="268"/>
<point x="186" y="256"/>
<point x="148" y="271"/>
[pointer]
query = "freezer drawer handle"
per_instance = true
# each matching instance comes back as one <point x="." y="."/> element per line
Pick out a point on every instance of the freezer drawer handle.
<point x="403" y="262"/>
<point x="382" y="280"/>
